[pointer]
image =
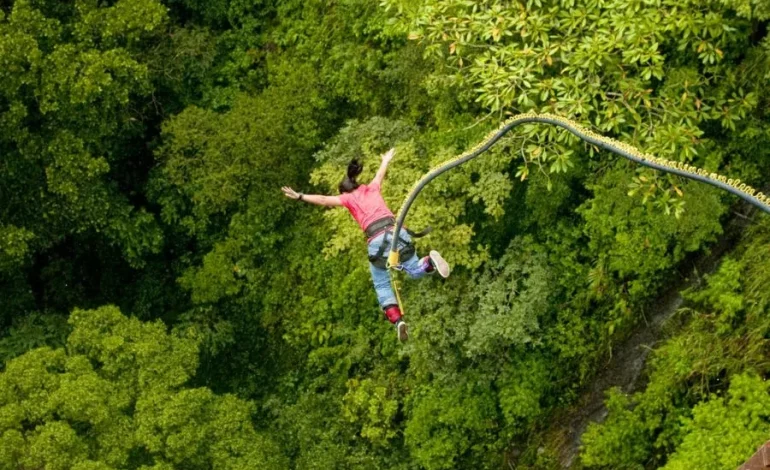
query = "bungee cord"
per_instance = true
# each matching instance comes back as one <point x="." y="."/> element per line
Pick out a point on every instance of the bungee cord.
<point x="734" y="186"/>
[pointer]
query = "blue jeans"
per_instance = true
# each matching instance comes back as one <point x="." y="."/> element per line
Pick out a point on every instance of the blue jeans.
<point x="414" y="267"/>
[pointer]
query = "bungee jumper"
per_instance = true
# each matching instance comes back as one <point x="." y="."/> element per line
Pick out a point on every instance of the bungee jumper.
<point x="368" y="208"/>
<point x="366" y="205"/>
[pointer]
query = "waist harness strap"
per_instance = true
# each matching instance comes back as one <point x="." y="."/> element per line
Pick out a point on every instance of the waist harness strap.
<point x="379" y="225"/>
<point x="388" y="222"/>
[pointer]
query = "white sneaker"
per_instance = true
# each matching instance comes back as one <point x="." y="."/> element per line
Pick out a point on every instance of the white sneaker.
<point x="403" y="335"/>
<point x="439" y="264"/>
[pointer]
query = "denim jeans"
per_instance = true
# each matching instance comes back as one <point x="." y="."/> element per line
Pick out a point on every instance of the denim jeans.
<point x="414" y="267"/>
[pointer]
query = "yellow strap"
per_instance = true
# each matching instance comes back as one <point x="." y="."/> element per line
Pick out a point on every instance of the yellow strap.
<point x="397" y="289"/>
<point x="393" y="259"/>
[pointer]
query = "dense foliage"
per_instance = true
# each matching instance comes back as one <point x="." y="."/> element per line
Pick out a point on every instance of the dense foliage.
<point x="143" y="146"/>
<point x="707" y="399"/>
<point x="114" y="398"/>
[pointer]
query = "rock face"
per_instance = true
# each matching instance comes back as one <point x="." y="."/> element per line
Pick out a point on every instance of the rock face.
<point x="624" y="369"/>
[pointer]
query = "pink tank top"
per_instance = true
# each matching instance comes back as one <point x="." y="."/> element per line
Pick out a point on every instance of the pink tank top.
<point x="366" y="204"/>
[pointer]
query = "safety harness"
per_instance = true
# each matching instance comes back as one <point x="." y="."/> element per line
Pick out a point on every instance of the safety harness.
<point x="405" y="248"/>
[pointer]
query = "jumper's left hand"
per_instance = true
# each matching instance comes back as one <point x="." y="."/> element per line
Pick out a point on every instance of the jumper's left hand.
<point x="290" y="193"/>
<point x="388" y="156"/>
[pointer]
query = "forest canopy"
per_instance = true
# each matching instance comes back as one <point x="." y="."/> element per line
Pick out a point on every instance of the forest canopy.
<point x="164" y="306"/>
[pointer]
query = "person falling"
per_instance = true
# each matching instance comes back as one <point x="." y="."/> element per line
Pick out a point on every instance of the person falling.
<point x="368" y="208"/>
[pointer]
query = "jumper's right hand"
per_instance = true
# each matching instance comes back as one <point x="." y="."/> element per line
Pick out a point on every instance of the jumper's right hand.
<point x="290" y="193"/>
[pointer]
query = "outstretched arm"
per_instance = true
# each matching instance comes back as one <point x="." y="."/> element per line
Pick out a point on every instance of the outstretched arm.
<point x="329" y="201"/>
<point x="386" y="158"/>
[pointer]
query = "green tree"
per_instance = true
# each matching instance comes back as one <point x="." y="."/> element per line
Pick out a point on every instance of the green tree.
<point x="453" y="425"/>
<point x="219" y="174"/>
<point x="641" y="71"/>
<point x="725" y="431"/>
<point x="68" y="83"/>
<point x="116" y="398"/>
<point x="621" y="442"/>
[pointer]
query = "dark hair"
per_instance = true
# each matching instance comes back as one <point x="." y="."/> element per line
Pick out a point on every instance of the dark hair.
<point x="350" y="184"/>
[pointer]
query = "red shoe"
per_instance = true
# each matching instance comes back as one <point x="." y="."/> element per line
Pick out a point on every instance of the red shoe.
<point x="393" y="313"/>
